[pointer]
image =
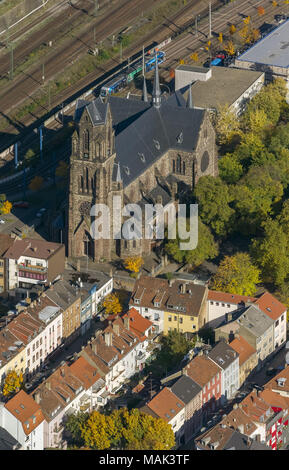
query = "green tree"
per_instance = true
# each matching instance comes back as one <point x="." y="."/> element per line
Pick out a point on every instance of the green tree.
<point x="226" y="124"/>
<point x="271" y="252"/>
<point x="230" y="170"/>
<point x="237" y="275"/>
<point x="214" y="198"/>
<point x="206" y="248"/>
<point x="73" y="426"/>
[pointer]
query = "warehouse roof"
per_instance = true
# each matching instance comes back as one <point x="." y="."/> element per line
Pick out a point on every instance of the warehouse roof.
<point x="272" y="49"/>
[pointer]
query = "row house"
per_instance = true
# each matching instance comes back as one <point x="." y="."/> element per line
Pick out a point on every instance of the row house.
<point x="187" y="390"/>
<point x="276" y="311"/>
<point x="22" y="417"/>
<point x="12" y="354"/>
<point x="208" y="376"/>
<point x="280" y="383"/>
<point x="223" y="437"/>
<point x="248" y="360"/>
<point x="167" y="406"/>
<point x="171" y="305"/>
<point x="220" y="304"/>
<point x="5" y="242"/>
<point x="68" y="298"/>
<point x="30" y="262"/>
<point x="228" y="360"/>
<point x="68" y="390"/>
<point x="117" y="352"/>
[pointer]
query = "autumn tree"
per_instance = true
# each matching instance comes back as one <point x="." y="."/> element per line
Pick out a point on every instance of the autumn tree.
<point x="226" y="124"/>
<point x="230" y="48"/>
<point x="232" y="29"/>
<point x="112" y="304"/>
<point x="220" y="38"/>
<point x="230" y="169"/>
<point x="237" y="275"/>
<point x="12" y="383"/>
<point x="195" y="57"/>
<point x="261" y="10"/>
<point x="98" y="431"/>
<point x="133" y="263"/>
<point x="5" y="207"/>
<point x="36" y="183"/>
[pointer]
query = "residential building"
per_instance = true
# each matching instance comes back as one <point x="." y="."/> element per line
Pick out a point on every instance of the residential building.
<point x="170" y="305"/>
<point x="5" y="242"/>
<point x="187" y="390"/>
<point x="228" y="360"/>
<point x="220" y="305"/>
<point x="168" y="406"/>
<point x="31" y="262"/>
<point x="12" y="354"/>
<point x="248" y="360"/>
<point x="68" y="298"/>
<point x="208" y="376"/>
<point x="22" y="417"/>
<point x="222" y="437"/>
<point x="275" y="64"/>
<point x="117" y="353"/>
<point x="230" y="86"/>
<point x="278" y="313"/>
<point x="280" y="383"/>
<point x="258" y="330"/>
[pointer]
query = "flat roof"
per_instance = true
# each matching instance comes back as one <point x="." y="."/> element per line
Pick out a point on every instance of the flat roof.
<point x="225" y="86"/>
<point x="193" y="68"/>
<point x="273" y="49"/>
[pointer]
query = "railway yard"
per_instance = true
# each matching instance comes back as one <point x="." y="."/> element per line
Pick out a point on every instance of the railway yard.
<point x="188" y="29"/>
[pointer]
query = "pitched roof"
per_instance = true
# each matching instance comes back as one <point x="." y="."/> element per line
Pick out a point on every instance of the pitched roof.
<point x="255" y="321"/>
<point x="237" y="417"/>
<point x="24" y="326"/>
<point x="137" y="323"/>
<point x="32" y="248"/>
<point x="5" y="242"/>
<point x="84" y="372"/>
<point x="223" y="354"/>
<point x="26" y="410"/>
<point x="273" y="383"/>
<point x="243" y="348"/>
<point x="62" y="293"/>
<point x="201" y="369"/>
<point x="166" y="404"/>
<point x="186" y="389"/>
<point x="270" y="305"/>
<point x="10" y="346"/>
<point x="234" y="299"/>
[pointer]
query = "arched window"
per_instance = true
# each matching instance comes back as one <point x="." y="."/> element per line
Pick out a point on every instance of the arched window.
<point x="174" y="166"/>
<point x="81" y="183"/>
<point x="184" y="168"/>
<point x="85" y="143"/>
<point x="179" y="164"/>
<point x="87" y="179"/>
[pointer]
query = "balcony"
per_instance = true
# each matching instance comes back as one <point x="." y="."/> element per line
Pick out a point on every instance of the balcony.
<point x="31" y="268"/>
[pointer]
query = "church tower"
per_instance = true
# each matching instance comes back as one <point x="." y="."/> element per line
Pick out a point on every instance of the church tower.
<point x="91" y="169"/>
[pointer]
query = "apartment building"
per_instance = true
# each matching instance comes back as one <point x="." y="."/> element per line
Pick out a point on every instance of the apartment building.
<point x="168" y="406"/>
<point x="248" y="360"/>
<point x="220" y="304"/>
<point x="22" y="417"/>
<point x="170" y="305"/>
<point x="222" y="437"/>
<point x="12" y="354"/>
<point x="5" y="242"/>
<point x="30" y="262"/>
<point x="275" y="310"/>
<point x="228" y="360"/>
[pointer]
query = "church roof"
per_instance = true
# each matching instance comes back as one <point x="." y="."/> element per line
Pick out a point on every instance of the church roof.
<point x="143" y="133"/>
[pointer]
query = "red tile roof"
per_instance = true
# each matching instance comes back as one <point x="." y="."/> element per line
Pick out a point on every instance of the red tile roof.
<point x="202" y="370"/>
<point x="34" y="248"/>
<point x="270" y="306"/>
<point x="84" y="372"/>
<point x="166" y="404"/>
<point x="26" y="410"/>
<point x="245" y="350"/>
<point x="137" y="323"/>
<point x="229" y="298"/>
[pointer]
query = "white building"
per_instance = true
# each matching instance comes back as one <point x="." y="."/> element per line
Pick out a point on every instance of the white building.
<point x="228" y="360"/>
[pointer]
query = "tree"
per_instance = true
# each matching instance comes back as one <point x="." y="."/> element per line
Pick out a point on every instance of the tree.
<point x="237" y="275"/>
<point x="5" y="207"/>
<point x="271" y="252"/>
<point x="220" y="38"/>
<point x="230" y="48"/>
<point x="73" y="426"/>
<point x="12" y="383"/>
<point x="214" y="198"/>
<point x="206" y="248"/>
<point x="232" y="29"/>
<point x="36" y="183"/>
<point x="98" y="431"/>
<point x="230" y="170"/>
<point x="133" y="263"/>
<point x="195" y="56"/>
<point x="247" y="20"/>
<point x="274" y="3"/>
<point x="112" y="305"/>
<point x="227" y="124"/>
<point x="261" y="10"/>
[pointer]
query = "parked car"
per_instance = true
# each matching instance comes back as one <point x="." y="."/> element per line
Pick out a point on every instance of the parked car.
<point x="2" y="221"/>
<point x="280" y="18"/>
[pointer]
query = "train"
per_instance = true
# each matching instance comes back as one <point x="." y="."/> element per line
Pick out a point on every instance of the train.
<point x="120" y="81"/>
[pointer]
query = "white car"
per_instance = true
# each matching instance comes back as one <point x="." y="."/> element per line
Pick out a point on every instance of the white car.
<point x="2" y="221"/>
<point x="43" y="209"/>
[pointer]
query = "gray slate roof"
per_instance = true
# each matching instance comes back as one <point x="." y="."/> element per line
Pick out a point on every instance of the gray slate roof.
<point x="254" y="320"/>
<point x="7" y="442"/>
<point x="62" y="293"/>
<point x="223" y="355"/>
<point x="186" y="389"/>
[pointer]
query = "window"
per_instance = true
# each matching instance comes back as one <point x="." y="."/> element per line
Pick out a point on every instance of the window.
<point x="223" y="305"/>
<point x="181" y="320"/>
<point x="282" y="318"/>
<point x="170" y="318"/>
<point x="28" y="352"/>
<point x="277" y="323"/>
<point x="217" y="303"/>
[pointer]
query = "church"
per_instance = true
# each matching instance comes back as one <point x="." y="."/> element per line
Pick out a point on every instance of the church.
<point x="140" y="150"/>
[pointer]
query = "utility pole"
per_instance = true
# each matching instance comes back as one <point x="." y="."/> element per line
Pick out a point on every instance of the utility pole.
<point x="210" y="20"/>
<point x="43" y="73"/>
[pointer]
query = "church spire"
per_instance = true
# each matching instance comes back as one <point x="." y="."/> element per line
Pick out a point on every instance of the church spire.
<point x="118" y="175"/>
<point x="190" y="98"/>
<point x="156" y="89"/>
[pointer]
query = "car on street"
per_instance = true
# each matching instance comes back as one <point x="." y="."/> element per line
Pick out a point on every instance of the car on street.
<point x="2" y="221"/>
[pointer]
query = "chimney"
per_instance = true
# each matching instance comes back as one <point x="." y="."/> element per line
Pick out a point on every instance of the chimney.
<point x="183" y="288"/>
<point x="126" y="322"/>
<point x="37" y="397"/>
<point x="229" y="317"/>
<point x="241" y="428"/>
<point x="48" y="385"/>
<point x="94" y="347"/>
<point x="159" y="199"/>
<point x="235" y="406"/>
<point x="108" y="339"/>
<point x="171" y="282"/>
<point x="62" y="373"/>
<point x="115" y="328"/>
